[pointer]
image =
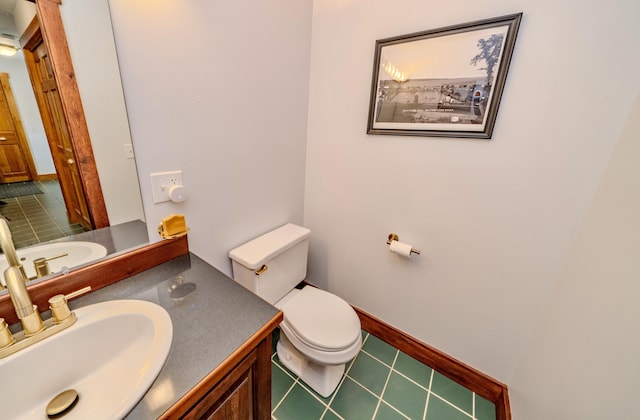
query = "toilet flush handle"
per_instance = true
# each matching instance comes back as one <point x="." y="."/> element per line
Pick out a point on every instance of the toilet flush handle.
<point x="262" y="269"/>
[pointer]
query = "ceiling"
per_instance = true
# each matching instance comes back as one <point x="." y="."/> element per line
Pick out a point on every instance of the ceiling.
<point x="7" y="5"/>
<point x="7" y="24"/>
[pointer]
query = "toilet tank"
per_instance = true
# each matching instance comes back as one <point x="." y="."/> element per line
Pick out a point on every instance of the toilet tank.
<point x="282" y="251"/>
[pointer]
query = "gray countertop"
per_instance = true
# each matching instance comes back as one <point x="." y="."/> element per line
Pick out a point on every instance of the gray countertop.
<point x="209" y="323"/>
<point x="116" y="238"/>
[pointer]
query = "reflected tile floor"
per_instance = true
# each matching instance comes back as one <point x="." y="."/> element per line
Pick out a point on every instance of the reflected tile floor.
<point x="40" y="217"/>
<point x="380" y="383"/>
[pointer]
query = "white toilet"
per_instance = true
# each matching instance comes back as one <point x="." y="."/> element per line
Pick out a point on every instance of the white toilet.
<point x="320" y="332"/>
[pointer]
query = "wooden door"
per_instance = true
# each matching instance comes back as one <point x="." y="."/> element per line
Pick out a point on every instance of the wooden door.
<point x="57" y="131"/>
<point x="16" y="162"/>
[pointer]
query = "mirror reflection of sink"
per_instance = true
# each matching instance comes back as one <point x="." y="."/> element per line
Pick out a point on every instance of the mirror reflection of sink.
<point x="110" y="356"/>
<point x="78" y="253"/>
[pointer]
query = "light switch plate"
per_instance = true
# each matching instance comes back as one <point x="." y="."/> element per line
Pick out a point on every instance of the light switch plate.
<point x="161" y="182"/>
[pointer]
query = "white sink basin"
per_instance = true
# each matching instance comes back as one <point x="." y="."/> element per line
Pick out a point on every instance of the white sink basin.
<point x="110" y="356"/>
<point x="78" y="253"/>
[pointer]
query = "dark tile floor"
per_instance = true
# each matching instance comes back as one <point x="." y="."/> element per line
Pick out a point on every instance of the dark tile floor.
<point x="40" y="217"/>
<point x="380" y="383"/>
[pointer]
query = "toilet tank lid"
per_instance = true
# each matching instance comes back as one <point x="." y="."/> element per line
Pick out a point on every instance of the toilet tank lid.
<point x="257" y="252"/>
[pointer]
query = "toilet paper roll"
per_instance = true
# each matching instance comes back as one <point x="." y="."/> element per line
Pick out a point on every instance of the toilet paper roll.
<point x="400" y="248"/>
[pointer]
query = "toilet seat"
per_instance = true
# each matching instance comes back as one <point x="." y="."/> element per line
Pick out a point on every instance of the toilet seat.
<point x="321" y="326"/>
<point x="321" y="320"/>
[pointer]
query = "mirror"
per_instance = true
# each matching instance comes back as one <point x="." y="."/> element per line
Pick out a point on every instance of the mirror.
<point x="87" y="25"/>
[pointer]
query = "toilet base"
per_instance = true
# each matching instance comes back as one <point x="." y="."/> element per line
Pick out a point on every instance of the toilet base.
<point x="323" y="379"/>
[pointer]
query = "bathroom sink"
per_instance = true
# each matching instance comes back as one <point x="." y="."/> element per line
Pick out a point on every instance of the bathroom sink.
<point x="110" y="356"/>
<point x="78" y="253"/>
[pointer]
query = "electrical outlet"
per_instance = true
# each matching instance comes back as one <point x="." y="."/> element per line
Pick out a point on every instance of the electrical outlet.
<point x="161" y="182"/>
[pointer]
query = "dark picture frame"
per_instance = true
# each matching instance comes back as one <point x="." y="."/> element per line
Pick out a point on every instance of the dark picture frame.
<point x="445" y="82"/>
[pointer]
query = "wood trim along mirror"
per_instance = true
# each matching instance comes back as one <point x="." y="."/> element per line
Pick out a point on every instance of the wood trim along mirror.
<point x="98" y="275"/>
<point x="54" y="37"/>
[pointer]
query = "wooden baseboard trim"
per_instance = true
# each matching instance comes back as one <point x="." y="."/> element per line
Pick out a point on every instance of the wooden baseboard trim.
<point x="46" y="177"/>
<point x="472" y="379"/>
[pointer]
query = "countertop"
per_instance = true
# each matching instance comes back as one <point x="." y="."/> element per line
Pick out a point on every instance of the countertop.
<point x="116" y="238"/>
<point x="209" y="323"/>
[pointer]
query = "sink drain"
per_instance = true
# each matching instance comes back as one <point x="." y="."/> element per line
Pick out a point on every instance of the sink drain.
<point x="62" y="403"/>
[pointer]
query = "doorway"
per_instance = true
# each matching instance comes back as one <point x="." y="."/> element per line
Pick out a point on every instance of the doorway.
<point x="47" y="94"/>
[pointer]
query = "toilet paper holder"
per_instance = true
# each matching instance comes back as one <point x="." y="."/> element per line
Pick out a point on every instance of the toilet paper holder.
<point x="394" y="237"/>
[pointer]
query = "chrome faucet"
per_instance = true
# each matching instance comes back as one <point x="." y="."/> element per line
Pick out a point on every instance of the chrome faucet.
<point x="15" y="279"/>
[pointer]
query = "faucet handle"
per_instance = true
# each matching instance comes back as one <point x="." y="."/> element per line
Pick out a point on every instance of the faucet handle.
<point x="41" y="265"/>
<point x="6" y="338"/>
<point x="77" y="293"/>
<point x="59" y="308"/>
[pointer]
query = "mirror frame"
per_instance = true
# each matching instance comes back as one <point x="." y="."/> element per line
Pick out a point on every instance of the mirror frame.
<point x="54" y="37"/>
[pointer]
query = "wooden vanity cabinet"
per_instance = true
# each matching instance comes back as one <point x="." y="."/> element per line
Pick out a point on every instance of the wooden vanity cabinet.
<point x="233" y="397"/>
<point x="239" y="389"/>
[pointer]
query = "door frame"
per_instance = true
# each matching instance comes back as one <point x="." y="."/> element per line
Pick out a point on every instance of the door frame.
<point x="53" y="35"/>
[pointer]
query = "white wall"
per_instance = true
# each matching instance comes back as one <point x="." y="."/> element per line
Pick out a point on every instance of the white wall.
<point x="218" y="90"/>
<point x="91" y="44"/>
<point x="495" y="219"/>
<point x="582" y="362"/>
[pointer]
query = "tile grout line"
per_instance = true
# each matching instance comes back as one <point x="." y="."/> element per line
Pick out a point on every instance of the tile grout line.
<point x="54" y="194"/>
<point x="391" y="372"/>
<point x="451" y="404"/>
<point x="295" y="380"/>
<point x="386" y="382"/>
<point x="426" y="405"/>
<point x="284" y="397"/>
<point x="27" y="219"/>
<point x="26" y="206"/>
<point x="397" y="371"/>
<point x="433" y="371"/>
<point x="380" y="399"/>
<point x="344" y="376"/>
<point x="473" y="405"/>
<point x="49" y="215"/>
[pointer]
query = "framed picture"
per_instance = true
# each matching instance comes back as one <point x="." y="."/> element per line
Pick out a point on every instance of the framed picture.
<point x="445" y="82"/>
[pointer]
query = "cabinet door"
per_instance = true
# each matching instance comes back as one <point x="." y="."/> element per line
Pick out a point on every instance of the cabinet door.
<point x="238" y="404"/>
<point x="233" y="398"/>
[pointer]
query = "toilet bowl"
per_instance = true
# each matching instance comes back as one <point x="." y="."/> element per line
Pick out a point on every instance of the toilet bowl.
<point x="320" y="332"/>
